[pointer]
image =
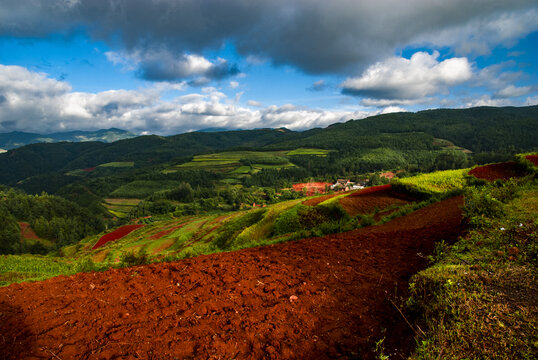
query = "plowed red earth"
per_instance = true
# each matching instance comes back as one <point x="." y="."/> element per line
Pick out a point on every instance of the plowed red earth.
<point x="366" y="202"/>
<point x="311" y="188"/>
<point x="116" y="234"/>
<point x="503" y="171"/>
<point x="317" y="298"/>
<point x="533" y="159"/>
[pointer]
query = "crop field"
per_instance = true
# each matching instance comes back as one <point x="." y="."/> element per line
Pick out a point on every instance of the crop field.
<point x="142" y="188"/>
<point x="120" y="207"/>
<point x="118" y="164"/>
<point x="233" y="162"/>
<point x="502" y="171"/>
<point x="437" y="182"/>
<point x="376" y="200"/>
<point x="532" y="158"/>
<point x="312" y="188"/>
<point x="303" y="151"/>
<point x="14" y="268"/>
<point x="448" y="145"/>
<point x="115" y="235"/>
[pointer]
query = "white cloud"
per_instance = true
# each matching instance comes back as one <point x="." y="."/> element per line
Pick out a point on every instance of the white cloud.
<point x="234" y="84"/>
<point x="31" y="101"/>
<point x="254" y="103"/>
<point x="486" y="100"/>
<point x="398" y="80"/>
<point x="513" y="91"/>
<point x="392" y="109"/>
<point x="163" y="65"/>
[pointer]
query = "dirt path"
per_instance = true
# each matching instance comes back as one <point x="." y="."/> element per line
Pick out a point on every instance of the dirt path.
<point x="316" y="298"/>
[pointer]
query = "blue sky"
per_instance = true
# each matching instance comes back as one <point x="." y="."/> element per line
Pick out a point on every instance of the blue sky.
<point x="169" y="66"/>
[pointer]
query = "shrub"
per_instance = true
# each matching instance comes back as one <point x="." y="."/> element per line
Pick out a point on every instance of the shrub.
<point x="132" y="259"/>
<point x="85" y="265"/>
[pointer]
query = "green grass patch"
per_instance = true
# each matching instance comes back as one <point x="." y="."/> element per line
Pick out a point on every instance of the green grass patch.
<point x="143" y="188"/>
<point x="305" y="151"/>
<point x="118" y="164"/>
<point x="433" y="183"/>
<point x="19" y="268"/>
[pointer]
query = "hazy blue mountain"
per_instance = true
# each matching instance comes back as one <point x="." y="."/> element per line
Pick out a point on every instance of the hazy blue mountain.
<point x="17" y="139"/>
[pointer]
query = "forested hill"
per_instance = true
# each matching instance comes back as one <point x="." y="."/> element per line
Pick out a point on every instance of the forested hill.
<point x="480" y="129"/>
<point x="38" y="159"/>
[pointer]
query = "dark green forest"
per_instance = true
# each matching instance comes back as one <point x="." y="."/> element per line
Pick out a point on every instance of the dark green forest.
<point x="53" y="218"/>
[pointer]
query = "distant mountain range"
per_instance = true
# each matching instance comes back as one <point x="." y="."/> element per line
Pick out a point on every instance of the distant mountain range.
<point x="17" y="139"/>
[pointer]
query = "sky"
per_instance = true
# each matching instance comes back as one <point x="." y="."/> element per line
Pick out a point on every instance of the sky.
<point x="172" y="66"/>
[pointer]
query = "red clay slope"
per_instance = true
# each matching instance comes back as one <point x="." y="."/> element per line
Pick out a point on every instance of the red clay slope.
<point x="116" y="235"/>
<point x="366" y="202"/>
<point x="533" y="159"/>
<point x="503" y="171"/>
<point x="316" y="298"/>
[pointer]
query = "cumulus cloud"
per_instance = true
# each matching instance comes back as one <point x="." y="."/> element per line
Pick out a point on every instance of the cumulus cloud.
<point x="404" y="81"/>
<point x="513" y="91"/>
<point x="162" y="65"/>
<point x="316" y="36"/>
<point x="31" y="101"/>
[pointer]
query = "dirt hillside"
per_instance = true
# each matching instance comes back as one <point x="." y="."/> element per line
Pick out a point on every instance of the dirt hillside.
<point x="317" y="298"/>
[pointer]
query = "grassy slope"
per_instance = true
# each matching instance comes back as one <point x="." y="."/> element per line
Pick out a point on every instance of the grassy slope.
<point x="479" y="299"/>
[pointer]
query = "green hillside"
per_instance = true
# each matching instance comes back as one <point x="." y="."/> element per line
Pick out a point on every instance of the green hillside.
<point x="224" y="170"/>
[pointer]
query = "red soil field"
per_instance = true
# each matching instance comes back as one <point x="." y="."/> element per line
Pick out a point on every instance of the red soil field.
<point x="502" y="171"/>
<point x="533" y="159"/>
<point x="312" y="188"/>
<point x="90" y="169"/>
<point x="116" y="234"/>
<point x="27" y="232"/>
<point x="162" y="233"/>
<point x="320" y="199"/>
<point x="318" y="298"/>
<point x="365" y="201"/>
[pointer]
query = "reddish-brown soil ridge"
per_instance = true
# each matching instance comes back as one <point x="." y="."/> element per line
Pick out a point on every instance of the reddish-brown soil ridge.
<point x="502" y="171"/>
<point x="371" y="199"/>
<point x="318" y="200"/>
<point x="533" y="159"/>
<point x="116" y="234"/>
<point x="162" y="233"/>
<point x="316" y="298"/>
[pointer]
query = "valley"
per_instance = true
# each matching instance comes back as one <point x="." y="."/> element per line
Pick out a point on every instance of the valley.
<point x="264" y="244"/>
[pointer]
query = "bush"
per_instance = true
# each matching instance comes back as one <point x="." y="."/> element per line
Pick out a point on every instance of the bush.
<point x="288" y="221"/>
<point x="85" y="265"/>
<point x="133" y="259"/>
<point x="229" y="231"/>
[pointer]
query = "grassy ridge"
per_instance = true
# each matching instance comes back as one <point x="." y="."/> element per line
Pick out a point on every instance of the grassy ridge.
<point x="438" y="182"/>
<point x="479" y="299"/>
<point x="18" y="268"/>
